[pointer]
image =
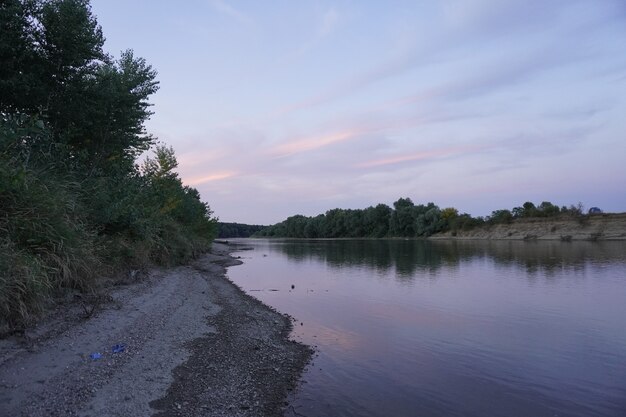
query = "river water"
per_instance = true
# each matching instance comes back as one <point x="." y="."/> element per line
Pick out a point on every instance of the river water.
<point x="445" y="328"/>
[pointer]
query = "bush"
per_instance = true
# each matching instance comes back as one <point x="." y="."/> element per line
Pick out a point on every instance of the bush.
<point x="501" y="216"/>
<point x="73" y="204"/>
<point x="45" y="242"/>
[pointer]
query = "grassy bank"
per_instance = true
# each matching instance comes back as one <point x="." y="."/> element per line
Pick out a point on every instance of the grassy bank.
<point x="63" y="229"/>
<point x="75" y="205"/>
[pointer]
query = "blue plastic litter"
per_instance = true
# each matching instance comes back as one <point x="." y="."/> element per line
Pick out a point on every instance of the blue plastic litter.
<point x="95" y="356"/>
<point x="118" y="348"/>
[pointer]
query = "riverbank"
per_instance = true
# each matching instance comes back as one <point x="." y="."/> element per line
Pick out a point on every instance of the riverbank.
<point x="193" y="344"/>
<point x="589" y="228"/>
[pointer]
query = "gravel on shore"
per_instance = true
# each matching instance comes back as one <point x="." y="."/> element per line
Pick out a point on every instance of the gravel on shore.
<point x="194" y="344"/>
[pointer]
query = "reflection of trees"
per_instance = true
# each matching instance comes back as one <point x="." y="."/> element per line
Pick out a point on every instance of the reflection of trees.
<point x="545" y="257"/>
<point x="408" y="257"/>
<point x="405" y="256"/>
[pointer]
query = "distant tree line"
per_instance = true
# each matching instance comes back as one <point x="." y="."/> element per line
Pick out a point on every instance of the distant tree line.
<point x="225" y="230"/>
<point x="405" y="219"/>
<point x="74" y="204"/>
<point x="529" y="210"/>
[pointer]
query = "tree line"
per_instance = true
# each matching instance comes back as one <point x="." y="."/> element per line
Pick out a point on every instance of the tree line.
<point x="74" y="203"/>
<point x="225" y="230"/>
<point x="405" y="219"/>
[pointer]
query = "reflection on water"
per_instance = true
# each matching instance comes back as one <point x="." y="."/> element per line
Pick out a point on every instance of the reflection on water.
<point x="451" y="328"/>
<point x="405" y="257"/>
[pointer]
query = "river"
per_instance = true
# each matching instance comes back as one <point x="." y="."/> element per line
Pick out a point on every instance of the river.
<point x="450" y="328"/>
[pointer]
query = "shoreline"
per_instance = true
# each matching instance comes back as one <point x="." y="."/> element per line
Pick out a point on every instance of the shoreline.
<point x="195" y="344"/>
<point x="588" y="228"/>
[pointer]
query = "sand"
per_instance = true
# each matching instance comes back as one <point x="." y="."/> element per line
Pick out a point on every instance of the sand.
<point x="195" y="345"/>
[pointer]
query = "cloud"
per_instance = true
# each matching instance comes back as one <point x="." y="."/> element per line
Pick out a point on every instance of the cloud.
<point x="209" y="178"/>
<point x="498" y="76"/>
<point x="501" y="91"/>
<point x="326" y="26"/>
<point x="578" y="112"/>
<point x="223" y="7"/>
<point x="418" y="156"/>
<point x="347" y="87"/>
<point x="468" y="26"/>
<point x="483" y="18"/>
<point x="329" y="22"/>
<point x="311" y="143"/>
<point x="201" y="157"/>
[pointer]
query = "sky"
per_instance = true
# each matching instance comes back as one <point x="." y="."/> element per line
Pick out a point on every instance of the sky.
<point x="297" y="107"/>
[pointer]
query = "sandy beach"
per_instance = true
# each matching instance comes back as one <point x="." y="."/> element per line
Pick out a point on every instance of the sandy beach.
<point x="183" y="341"/>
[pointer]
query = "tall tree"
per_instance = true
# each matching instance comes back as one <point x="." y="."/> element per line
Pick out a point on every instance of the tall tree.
<point x="21" y="71"/>
<point x="108" y="108"/>
<point x="402" y="222"/>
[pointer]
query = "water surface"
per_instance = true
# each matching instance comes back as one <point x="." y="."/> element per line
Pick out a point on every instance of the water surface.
<point x="420" y="328"/>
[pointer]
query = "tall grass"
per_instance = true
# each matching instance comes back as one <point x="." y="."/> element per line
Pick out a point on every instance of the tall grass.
<point x="61" y="229"/>
<point x="74" y="206"/>
<point x="44" y="241"/>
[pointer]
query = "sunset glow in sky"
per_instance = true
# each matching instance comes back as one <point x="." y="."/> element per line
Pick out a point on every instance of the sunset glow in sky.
<point x="296" y="107"/>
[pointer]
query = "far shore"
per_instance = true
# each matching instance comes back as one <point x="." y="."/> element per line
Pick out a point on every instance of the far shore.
<point x="590" y="228"/>
<point x="598" y="227"/>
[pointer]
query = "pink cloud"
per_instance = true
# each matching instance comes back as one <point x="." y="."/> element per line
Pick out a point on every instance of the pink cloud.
<point x="315" y="142"/>
<point x="209" y="178"/>
<point x="437" y="153"/>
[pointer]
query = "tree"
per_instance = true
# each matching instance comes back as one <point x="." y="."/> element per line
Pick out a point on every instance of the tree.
<point x="529" y="209"/>
<point x="312" y="228"/>
<point x="106" y="126"/>
<point x="21" y="72"/>
<point x="402" y="222"/>
<point x="71" y="38"/>
<point x="501" y="216"/>
<point x="71" y="126"/>
<point x="53" y="65"/>
<point x="46" y="47"/>
<point x="548" y="209"/>
<point x="449" y="213"/>
<point x="162" y="165"/>
<point x="335" y="225"/>
<point x="428" y="220"/>
<point x="377" y="220"/>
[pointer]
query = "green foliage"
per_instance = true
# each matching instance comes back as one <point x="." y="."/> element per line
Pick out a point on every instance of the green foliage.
<point x="56" y="67"/>
<point x="449" y="213"/>
<point x="547" y="209"/>
<point x="575" y="210"/>
<point x="226" y="230"/>
<point x="405" y="220"/>
<point x="402" y="222"/>
<point x="73" y="204"/>
<point x="44" y="240"/>
<point x="49" y="46"/>
<point x="464" y="222"/>
<point x="501" y="216"/>
<point x="377" y="219"/>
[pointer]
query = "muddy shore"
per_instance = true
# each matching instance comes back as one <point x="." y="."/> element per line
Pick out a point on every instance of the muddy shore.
<point x="193" y="344"/>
